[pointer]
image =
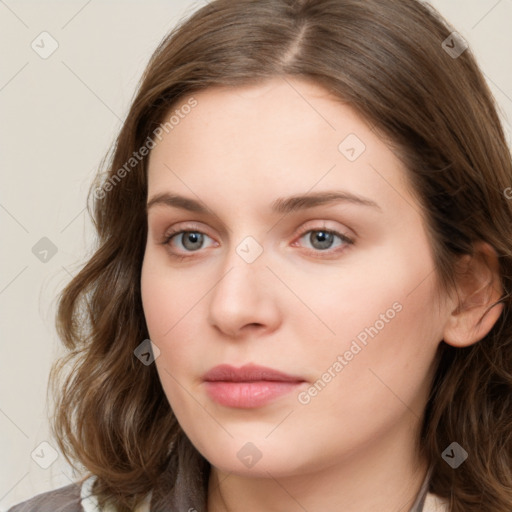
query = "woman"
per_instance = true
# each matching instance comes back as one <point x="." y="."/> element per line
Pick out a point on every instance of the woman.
<point x="306" y="212"/>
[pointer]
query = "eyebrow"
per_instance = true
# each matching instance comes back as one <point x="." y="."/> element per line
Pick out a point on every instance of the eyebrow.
<point x="284" y="205"/>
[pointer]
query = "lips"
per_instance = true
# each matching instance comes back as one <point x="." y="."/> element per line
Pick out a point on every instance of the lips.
<point x="249" y="386"/>
<point x="247" y="373"/>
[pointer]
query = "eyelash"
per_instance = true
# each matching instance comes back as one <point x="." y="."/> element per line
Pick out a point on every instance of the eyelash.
<point x="192" y="229"/>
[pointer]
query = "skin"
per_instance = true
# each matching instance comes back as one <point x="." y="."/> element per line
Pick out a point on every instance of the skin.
<point x="296" y="308"/>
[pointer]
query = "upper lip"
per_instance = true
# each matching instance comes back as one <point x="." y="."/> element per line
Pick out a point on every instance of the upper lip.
<point x="248" y="373"/>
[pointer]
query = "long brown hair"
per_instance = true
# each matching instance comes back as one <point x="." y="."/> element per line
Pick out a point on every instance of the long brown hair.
<point x="386" y="59"/>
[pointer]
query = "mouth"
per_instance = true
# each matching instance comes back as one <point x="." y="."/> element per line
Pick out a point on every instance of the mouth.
<point x="249" y="386"/>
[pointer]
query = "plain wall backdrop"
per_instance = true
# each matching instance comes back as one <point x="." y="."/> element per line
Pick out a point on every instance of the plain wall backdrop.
<point x="60" y="112"/>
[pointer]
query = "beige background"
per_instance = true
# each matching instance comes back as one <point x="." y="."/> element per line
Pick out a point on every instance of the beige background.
<point x="59" y="116"/>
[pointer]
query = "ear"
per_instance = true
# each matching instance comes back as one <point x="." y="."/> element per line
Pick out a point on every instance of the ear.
<point x="478" y="288"/>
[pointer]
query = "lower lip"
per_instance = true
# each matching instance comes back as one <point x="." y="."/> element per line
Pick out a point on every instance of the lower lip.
<point x="246" y="395"/>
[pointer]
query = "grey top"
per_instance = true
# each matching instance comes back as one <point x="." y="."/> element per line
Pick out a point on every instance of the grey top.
<point x="68" y="499"/>
<point x="64" y="499"/>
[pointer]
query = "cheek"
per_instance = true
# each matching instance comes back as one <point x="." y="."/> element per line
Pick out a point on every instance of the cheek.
<point x="387" y="292"/>
<point x="155" y="302"/>
<point x="169" y="297"/>
<point x="168" y="305"/>
<point x="388" y="326"/>
<point x="174" y="305"/>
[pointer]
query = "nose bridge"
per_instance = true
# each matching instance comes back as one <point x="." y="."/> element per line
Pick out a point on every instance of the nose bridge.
<point x="243" y="268"/>
<point x="242" y="296"/>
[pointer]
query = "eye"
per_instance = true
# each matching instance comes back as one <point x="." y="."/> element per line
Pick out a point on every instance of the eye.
<point x="182" y="243"/>
<point x="187" y="241"/>
<point x="322" y="240"/>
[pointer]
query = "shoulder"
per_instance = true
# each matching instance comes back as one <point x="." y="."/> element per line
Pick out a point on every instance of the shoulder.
<point x="63" y="499"/>
<point x="434" y="503"/>
<point x="76" y="497"/>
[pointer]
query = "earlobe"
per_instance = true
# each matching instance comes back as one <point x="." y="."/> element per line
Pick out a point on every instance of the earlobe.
<point x="479" y="289"/>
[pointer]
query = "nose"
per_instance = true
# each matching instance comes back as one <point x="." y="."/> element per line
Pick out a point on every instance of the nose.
<point x="244" y="299"/>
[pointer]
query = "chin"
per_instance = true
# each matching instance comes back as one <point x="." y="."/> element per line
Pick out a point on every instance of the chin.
<point x="256" y="457"/>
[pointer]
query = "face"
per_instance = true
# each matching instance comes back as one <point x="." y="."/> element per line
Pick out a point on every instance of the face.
<point x="335" y="290"/>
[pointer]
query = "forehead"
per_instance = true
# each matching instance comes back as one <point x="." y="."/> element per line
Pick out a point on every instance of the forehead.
<point x="278" y="138"/>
